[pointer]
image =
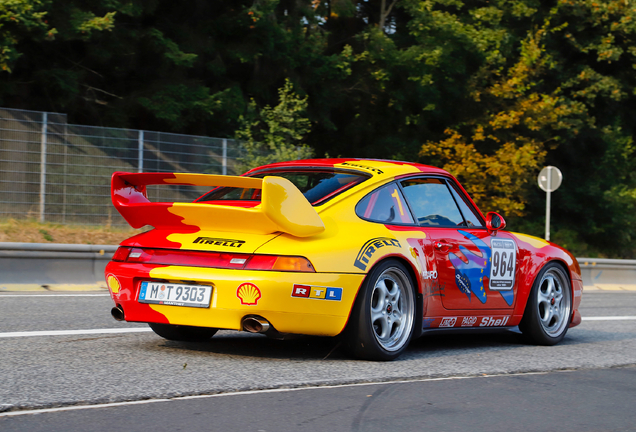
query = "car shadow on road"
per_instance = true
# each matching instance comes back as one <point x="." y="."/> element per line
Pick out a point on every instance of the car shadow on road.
<point x="302" y="348"/>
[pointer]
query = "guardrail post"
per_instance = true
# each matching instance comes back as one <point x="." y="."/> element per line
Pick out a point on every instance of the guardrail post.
<point x="43" y="166"/>
<point x="224" y="169"/>
<point x="140" y="152"/>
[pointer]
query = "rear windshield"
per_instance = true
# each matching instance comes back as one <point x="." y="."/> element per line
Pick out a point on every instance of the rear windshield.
<point x="317" y="186"/>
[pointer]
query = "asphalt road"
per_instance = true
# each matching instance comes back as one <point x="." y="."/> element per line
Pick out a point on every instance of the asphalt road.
<point x="86" y="369"/>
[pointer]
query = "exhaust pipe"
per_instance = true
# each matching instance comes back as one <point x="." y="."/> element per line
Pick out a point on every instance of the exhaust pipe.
<point x="117" y="313"/>
<point x="254" y="324"/>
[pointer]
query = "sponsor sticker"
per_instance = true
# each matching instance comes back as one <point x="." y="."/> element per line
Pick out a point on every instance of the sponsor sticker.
<point x="316" y="292"/>
<point x="370" y="247"/>
<point x="502" y="269"/>
<point x="375" y="170"/>
<point x="113" y="283"/>
<point x="469" y="321"/>
<point x="219" y="242"/>
<point x="430" y="274"/>
<point x="448" y="322"/>
<point x="493" y="321"/>
<point x="248" y="293"/>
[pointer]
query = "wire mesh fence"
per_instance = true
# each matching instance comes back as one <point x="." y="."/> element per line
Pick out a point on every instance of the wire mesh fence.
<point x="58" y="172"/>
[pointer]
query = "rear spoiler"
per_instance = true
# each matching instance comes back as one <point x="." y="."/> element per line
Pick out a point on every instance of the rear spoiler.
<point x="283" y="207"/>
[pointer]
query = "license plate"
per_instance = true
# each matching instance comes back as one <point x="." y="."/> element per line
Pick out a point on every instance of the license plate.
<point x="175" y="294"/>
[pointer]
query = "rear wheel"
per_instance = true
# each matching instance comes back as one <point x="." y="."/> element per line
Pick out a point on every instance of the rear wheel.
<point x="548" y="312"/>
<point x="382" y="320"/>
<point x="183" y="333"/>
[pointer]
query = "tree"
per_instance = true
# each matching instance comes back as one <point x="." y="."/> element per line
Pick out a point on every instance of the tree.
<point x="499" y="153"/>
<point x="275" y="134"/>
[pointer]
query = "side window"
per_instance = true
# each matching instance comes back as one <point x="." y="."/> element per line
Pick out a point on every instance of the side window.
<point x="432" y="202"/>
<point x="472" y="218"/>
<point x="385" y="205"/>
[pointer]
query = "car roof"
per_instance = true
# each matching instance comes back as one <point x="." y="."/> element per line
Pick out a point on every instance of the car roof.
<point x="376" y="167"/>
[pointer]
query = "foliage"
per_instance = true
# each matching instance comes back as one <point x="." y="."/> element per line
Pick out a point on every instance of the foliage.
<point x="493" y="91"/>
<point x="275" y="134"/>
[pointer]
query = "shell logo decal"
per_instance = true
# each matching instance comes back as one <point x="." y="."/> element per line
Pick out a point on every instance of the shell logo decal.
<point x="113" y="283"/>
<point x="248" y="293"/>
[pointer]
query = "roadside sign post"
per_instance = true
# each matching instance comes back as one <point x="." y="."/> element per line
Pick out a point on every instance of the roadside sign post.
<point x="549" y="180"/>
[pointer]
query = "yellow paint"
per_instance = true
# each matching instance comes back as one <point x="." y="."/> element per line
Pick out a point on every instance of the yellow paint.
<point x="336" y="248"/>
<point x="288" y="208"/>
<point x="224" y="218"/>
<point x="399" y="201"/>
<point x="205" y="241"/>
<point x="534" y="241"/>
<point x="315" y="316"/>
<point x="283" y="208"/>
<point x="379" y="168"/>
<point x="215" y="180"/>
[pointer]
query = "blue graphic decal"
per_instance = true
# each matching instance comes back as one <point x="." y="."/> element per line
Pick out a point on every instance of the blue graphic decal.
<point x="508" y="296"/>
<point x="470" y="276"/>
<point x="426" y="322"/>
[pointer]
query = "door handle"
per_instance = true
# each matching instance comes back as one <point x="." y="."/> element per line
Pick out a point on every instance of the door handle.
<point x="442" y="246"/>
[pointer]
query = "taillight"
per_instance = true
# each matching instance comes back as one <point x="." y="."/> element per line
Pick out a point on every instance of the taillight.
<point x="280" y="263"/>
<point x="188" y="258"/>
<point x="121" y="254"/>
<point x="213" y="259"/>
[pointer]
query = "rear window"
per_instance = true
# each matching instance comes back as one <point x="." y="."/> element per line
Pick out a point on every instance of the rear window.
<point x="316" y="186"/>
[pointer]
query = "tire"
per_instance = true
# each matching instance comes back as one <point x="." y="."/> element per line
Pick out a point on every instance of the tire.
<point x="549" y="310"/>
<point x="383" y="316"/>
<point x="183" y="333"/>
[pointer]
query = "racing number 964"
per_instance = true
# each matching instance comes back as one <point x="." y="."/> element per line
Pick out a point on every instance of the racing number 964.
<point x="502" y="269"/>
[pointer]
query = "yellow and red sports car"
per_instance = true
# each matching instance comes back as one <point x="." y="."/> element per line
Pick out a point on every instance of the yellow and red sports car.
<point x="376" y="251"/>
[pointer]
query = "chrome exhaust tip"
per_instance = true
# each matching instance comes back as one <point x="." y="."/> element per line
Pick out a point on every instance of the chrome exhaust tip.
<point x="254" y="324"/>
<point x="117" y="313"/>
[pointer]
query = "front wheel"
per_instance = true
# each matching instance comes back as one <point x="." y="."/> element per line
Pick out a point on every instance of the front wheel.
<point x="548" y="312"/>
<point x="182" y="332"/>
<point x="382" y="320"/>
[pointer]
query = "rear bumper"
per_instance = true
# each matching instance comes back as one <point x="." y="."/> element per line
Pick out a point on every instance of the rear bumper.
<point x="287" y="313"/>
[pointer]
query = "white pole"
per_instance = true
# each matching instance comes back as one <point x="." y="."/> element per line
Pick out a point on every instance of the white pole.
<point x="224" y="171"/>
<point x="43" y="166"/>
<point x="547" y="205"/>
<point x="140" y="151"/>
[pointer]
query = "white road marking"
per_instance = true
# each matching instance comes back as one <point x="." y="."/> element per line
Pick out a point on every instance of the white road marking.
<point x="75" y="332"/>
<point x="254" y="392"/>
<point x="146" y="329"/>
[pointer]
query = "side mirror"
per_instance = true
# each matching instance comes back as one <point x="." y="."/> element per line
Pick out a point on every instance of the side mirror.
<point x="494" y="222"/>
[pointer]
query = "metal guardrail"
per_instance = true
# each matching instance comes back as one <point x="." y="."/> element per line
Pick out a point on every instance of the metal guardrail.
<point x="606" y="273"/>
<point x="47" y="264"/>
<point x="44" y="265"/>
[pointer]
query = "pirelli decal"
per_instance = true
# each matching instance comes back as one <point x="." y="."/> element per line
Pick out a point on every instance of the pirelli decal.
<point x="370" y="247"/>
<point x="219" y="242"/>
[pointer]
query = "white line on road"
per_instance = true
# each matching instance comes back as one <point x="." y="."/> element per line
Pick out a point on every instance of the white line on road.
<point x="262" y="391"/>
<point x="74" y="332"/>
<point x="146" y="329"/>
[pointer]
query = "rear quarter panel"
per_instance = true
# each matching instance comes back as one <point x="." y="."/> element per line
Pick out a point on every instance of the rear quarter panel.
<point x="534" y="254"/>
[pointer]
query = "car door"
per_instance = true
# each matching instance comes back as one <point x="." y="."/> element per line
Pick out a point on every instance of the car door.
<point x="463" y="247"/>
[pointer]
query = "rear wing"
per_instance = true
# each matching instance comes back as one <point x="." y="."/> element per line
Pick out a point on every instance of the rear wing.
<point x="283" y="207"/>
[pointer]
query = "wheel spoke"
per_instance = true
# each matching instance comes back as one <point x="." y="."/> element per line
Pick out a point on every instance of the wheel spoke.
<point x="551" y="288"/>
